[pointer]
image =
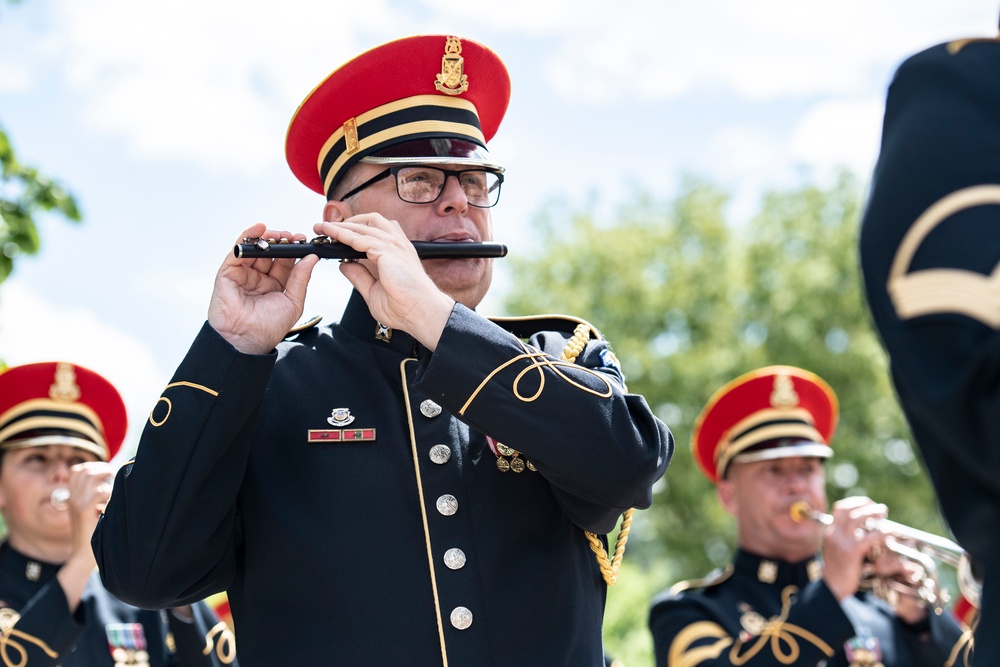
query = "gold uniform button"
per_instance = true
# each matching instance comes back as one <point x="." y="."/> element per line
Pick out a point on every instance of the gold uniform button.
<point x="461" y="618"/>
<point x="430" y="409"/>
<point x="447" y="504"/>
<point x="440" y="454"/>
<point x="454" y="559"/>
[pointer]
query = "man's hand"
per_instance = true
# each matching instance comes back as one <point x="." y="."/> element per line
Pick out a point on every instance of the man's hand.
<point x="89" y="489"/>
<point x="848" y="542"/>
<point x="257" y="301"/>
<point x="904" y="578"/>
<point x="398" y="291"/>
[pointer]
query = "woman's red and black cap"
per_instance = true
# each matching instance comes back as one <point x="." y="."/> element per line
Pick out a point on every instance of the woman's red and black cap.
<point x="417" y="90"/>
<point x="768" y="413"/>
<point x="59" y="403"/>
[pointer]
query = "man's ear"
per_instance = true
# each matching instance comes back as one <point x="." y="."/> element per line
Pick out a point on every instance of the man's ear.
<point x="336" y="211"/>
<point x="726" y="491"/>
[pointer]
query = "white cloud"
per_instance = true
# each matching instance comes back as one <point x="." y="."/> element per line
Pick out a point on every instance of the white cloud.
<point x="761" y="50"/>
<point x="839" y="134"/>
<point x="215" y="82"/>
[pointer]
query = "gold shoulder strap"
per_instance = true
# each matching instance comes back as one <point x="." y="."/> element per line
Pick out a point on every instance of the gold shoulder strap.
<point x="609" y="567"/>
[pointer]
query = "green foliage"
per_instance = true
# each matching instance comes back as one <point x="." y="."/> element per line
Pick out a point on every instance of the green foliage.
<point x="689" y="302"/>
<point x="24" y="192"/>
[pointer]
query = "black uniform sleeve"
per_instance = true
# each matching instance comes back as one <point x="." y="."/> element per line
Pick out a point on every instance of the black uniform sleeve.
<point x="173" y="514"/>
<point x="600" y="447"/>
<point x="930" y="255"/>
<point x="46" y="631"/>
<point x="689" y="629"/>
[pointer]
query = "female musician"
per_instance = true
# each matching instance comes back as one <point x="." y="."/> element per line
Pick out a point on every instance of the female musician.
<point x="59" y="426"/>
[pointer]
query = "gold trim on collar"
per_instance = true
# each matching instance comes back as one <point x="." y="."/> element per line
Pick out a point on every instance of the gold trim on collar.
<point x="767" y="571"/>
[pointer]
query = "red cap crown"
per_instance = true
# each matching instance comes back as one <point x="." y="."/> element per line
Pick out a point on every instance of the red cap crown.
<point x="60" y="403"/>
<point x="422" y="87"/>
<point x="768" y="404"/>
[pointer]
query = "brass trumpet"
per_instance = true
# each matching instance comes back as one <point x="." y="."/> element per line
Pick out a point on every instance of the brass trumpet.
<point x="922" y="547"/>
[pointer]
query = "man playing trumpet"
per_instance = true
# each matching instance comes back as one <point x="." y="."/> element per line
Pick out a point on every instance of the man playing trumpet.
<point x="791" y="595"/>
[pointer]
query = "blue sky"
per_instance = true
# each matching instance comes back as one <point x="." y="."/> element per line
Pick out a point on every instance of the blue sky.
<point x="167" y="120"/>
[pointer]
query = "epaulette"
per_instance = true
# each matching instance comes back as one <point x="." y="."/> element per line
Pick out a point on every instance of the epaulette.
<point x="714" y="578"/>
<point x="308" y="323"/>
<point x="524" y="327"/>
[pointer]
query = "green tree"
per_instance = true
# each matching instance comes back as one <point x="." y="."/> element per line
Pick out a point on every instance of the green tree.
<point x="689" y="301"/>
<point x="25" y="192"/>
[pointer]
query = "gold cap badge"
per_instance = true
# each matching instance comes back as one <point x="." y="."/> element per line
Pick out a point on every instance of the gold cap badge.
<point x="451" y="80"/>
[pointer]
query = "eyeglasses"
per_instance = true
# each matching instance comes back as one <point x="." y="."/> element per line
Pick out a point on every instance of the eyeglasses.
<point x="423" y="185"/>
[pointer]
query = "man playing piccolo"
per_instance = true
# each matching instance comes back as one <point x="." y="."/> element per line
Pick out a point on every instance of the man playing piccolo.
<point x="417" y="484"/>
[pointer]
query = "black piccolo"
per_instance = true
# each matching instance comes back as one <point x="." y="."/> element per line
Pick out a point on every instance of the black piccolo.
<point x="325" y="249"/>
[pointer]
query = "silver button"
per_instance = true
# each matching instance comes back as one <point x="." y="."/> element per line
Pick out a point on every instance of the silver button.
<point x="461" y="617"/>
<point x="440" y="454"/>
<point x="447" y="504"/>
<point x="454" y="559"/>
<point x="430" y="409"/>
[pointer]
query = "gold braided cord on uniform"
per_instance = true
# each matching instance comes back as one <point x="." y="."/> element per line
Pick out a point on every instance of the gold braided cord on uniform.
<point x="539" y="362"/>
<point x="962" y="649"/>
<point x="7" y="641"/>
<point x="778" y="632"/>
<point x="225" y="644"/>
<point x="609" y="567"/>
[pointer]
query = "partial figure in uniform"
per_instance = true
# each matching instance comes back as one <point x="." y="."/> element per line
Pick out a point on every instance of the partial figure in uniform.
<point x="416" y="484"/>
<point x="60" y="424"/>
<point x="794" y="593"/>
<point x="930" y="257"/>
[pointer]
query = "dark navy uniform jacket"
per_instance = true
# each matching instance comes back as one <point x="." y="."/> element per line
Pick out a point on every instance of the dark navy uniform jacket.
<point x="761" y="612"/>
<point x="344" y="493"/>
<point x="39" y="630"/>
<point x="930" y="253"/>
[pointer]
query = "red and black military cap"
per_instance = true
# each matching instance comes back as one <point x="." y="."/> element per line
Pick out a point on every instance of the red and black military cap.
<point x="59" y="403"/>
<point x="769" y="413"/>
<point x="424" y="99"/>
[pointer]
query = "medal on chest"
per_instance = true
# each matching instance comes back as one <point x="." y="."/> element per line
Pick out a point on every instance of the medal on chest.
<point x="340" y="417"/>
<point x="127" y="644"/>
<point x="863" y="651"/>
<point x="508" y="458"/>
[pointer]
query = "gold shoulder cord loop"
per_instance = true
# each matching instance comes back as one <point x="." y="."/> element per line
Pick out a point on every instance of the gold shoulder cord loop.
<point x="609" y="567"/>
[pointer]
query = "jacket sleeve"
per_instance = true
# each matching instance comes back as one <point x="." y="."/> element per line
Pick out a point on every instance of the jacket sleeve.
<point x="168" y="535"/>
<point x="930" y="254"/>
<point x="600" y="447"/>
<point x="691" y="630"/>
